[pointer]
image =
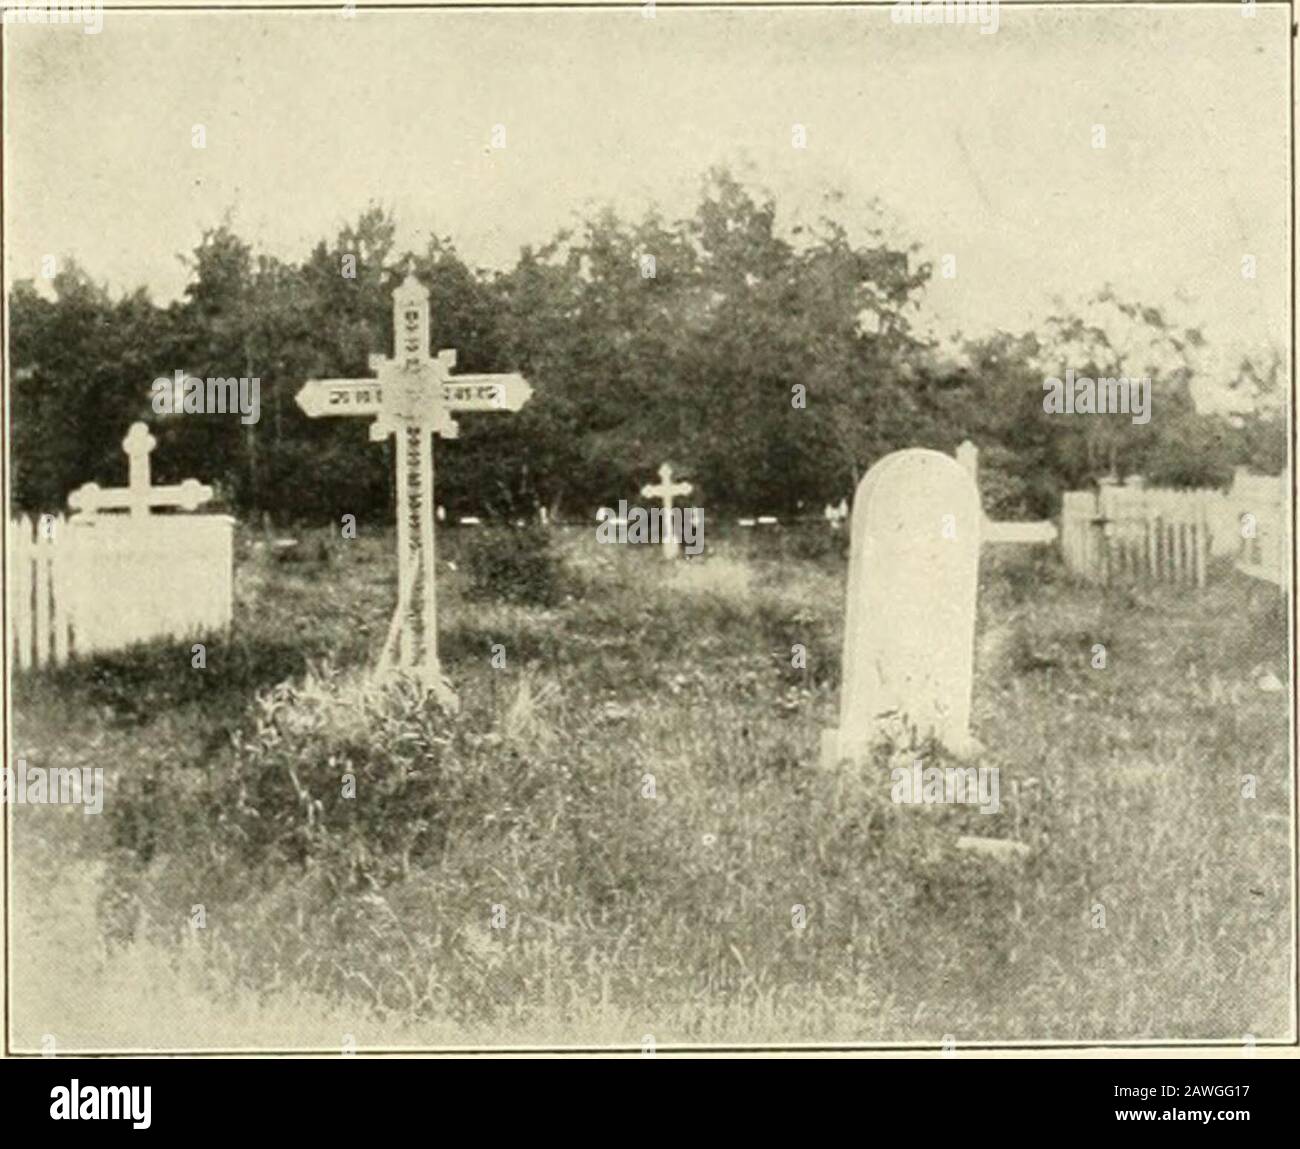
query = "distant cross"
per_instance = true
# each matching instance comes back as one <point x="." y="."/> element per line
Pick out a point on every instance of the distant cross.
<point x="994" y="532"/>
<point x="137" y="497"/>
<point x="412" y="396"/>
<point x="667" y="490"/>
<point x="836" y="514"/>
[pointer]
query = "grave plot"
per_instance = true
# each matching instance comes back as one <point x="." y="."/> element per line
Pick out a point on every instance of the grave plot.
<point x="674" y="720"/>
<point x="116" y="573"/>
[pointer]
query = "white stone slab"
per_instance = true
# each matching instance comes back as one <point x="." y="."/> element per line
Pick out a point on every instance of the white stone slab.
<point x="910" y="622"/>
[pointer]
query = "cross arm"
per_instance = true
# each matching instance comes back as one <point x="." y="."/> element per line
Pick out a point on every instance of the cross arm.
<point x="1019" y="532"/>
<point x="507" y="392"/>
<point x="319" y="397"/>
<point x="91" y="497"/>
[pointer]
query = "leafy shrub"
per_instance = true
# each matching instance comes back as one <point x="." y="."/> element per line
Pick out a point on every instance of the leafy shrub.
<point x="348" y="779"/>
<point x="513" y="565"/>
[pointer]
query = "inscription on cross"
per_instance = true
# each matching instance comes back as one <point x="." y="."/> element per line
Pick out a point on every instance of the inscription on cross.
<point x="412" y="396"/>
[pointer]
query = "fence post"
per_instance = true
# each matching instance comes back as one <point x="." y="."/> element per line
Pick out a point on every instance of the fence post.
<point x="61" y="612"/>
<point x="20" y="588"/>
<point x="41" y="551"/>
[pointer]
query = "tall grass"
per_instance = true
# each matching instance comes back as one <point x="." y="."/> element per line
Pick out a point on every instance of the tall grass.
<point x="626" y="830"/>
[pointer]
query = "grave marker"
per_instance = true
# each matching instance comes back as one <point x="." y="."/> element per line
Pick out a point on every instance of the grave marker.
<point x="667" y="490"/>
<point x="412" y="396"/>
<point x="167" y="576"/>
<point x="137" y="498"/>
<point x="993" y="532"/>
<point x="836" y="514"/>
<point x="909" y="632"/>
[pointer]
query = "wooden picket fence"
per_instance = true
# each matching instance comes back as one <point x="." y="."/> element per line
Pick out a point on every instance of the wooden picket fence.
<point x="101" y="583"/>
<point x="1131" y="533"/>
<point x="40" y="619"/>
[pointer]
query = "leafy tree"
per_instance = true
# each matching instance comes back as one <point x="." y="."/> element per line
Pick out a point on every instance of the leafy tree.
<point x="650" y="340"/>
<point x="77" y="362"/>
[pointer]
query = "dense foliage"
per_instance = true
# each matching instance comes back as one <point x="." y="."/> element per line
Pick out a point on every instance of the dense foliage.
<point x="698" y="363"/>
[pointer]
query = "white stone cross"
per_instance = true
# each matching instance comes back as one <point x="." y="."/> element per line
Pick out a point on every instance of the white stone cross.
<point x="994" y="532"/>
<point x="412" y="396"/>
<point x="137" y="497"/>
<point x="667" y="490"/>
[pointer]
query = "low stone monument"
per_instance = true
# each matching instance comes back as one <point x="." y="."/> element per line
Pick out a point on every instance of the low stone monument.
<point x="136" y="576"/>
<point x="909" y="633"/>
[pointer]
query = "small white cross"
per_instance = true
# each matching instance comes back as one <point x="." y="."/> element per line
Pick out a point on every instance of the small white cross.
<point x="667" y="490"/>
<point x="137" y="497"/>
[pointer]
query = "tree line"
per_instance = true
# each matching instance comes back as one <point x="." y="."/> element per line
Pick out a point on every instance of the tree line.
<point x="770" y="369"/>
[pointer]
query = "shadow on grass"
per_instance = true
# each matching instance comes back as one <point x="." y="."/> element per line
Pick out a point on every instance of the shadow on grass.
<point x="133" y="686"/>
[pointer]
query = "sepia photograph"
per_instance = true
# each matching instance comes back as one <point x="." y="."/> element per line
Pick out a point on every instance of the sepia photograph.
<point x="648" y="529"/>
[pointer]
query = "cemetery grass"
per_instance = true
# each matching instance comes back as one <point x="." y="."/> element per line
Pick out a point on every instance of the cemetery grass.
<point x="623" y="915"/>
